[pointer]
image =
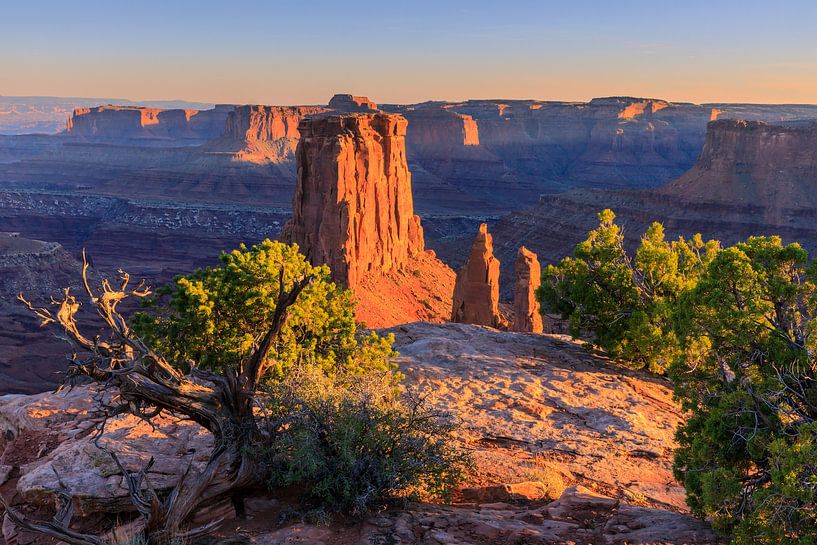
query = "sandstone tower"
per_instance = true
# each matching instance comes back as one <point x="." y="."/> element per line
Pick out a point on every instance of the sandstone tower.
<point x="528" y="277"/>
<point x="353" y="208"/>
<point x="476" y="292"/>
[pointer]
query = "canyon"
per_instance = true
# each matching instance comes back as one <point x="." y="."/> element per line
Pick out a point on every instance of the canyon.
<point x="162" y="191"/>
<point x="567" y="444"/>
<point x="751" y="178"/>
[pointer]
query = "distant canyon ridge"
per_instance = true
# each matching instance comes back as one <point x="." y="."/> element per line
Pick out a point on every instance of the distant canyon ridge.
<point x="161" y="189"/>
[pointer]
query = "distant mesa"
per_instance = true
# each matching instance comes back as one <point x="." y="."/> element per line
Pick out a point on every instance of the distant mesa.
<point x="353" y="210"/>
<point x="351" y="103"/>
<point x="752" y="163"/>
<point x="136" y="122"/>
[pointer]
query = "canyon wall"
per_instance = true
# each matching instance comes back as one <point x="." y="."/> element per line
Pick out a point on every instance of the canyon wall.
<point x="751" y="178"/>
<point x="263" y="134"/>
<point x="755" y="164"/>
<point x="118" y="123"/>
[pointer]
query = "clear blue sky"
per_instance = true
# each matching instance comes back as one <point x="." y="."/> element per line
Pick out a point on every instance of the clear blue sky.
<point x="401" y="51"/>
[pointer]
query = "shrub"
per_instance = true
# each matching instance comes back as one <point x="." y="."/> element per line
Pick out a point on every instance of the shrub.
<point x="625" y="304"/>
<point x="353" y="443"/>
<point x="216" y="316"/>
<point x="749" y="380"/>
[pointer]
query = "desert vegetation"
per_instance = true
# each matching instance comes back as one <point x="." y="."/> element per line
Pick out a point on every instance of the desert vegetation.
<point x="734" y="329"/>
<point x="264" y="353"/>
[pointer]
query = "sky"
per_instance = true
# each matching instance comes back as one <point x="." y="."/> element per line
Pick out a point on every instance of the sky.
<point x="401" y="51"/>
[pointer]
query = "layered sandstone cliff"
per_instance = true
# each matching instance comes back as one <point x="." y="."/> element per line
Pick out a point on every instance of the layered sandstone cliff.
<point x="526" y="316"/>
<point x="773" y="167"/>
<point x="439" y="132"/>
<point x="353" y="210"/>
<point x="120" y="123"/>
<point x="476" y="291"/>
<point x="751" y="178"/>
<point x="264" y="134"/>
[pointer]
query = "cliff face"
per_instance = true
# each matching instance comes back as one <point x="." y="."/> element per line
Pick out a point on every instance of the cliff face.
<point x="353" y="207"/>
<point x="118" y="123"/>
<point x="440" y="132"/>
<point x="264" y="134"/>
<point x="751" y="179"/>
<point x="752" y="163"/>
<point x="29" y="358"/>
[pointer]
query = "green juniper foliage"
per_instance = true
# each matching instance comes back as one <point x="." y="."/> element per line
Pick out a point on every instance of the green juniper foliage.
<point x="215" y="316"/>
<point x="625" y="304"/>
<point x="356" y="441"/>
<point x="748" y="453"/>
<point x="339" y="426"/>
<point x="735" y="330"/>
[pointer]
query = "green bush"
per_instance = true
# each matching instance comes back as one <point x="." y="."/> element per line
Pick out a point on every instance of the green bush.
<point x="749" y="381"/>
<point x="625" y="303"/>
<point x="353" y="443"/>
<point x="215" y="316"/>
<point x="738" y="328"/>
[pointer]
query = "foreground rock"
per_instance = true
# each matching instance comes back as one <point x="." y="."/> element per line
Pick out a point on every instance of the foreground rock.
<point x="546" y="420"/>
<point x="543" y="408"/>
<point x="476" y="292"/>
<point x="579" y="517"/>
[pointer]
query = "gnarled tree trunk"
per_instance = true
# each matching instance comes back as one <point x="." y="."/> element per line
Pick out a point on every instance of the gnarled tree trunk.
<point x="149" y="385"/>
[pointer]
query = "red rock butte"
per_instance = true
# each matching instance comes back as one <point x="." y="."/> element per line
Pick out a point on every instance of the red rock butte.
<point x="353" y="210"/>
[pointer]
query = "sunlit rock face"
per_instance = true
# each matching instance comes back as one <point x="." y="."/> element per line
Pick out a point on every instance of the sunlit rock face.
<point x="440" y="132"/>
<point x="350" y="103"/>
<point x="264" y="134"/>
<point x="526" y="316"/>
<point x="476" y="292"/>
<point x="353" y="208"/>
<point x="117" y="123"/>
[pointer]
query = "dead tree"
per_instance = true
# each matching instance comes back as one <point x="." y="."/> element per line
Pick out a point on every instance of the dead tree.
<point x="148" y="385"/>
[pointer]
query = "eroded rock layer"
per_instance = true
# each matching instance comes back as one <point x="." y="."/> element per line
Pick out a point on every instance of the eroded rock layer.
<point x="264" y="134"/>
<point x="751" y="179"/>
<point x="118" y="123"/>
